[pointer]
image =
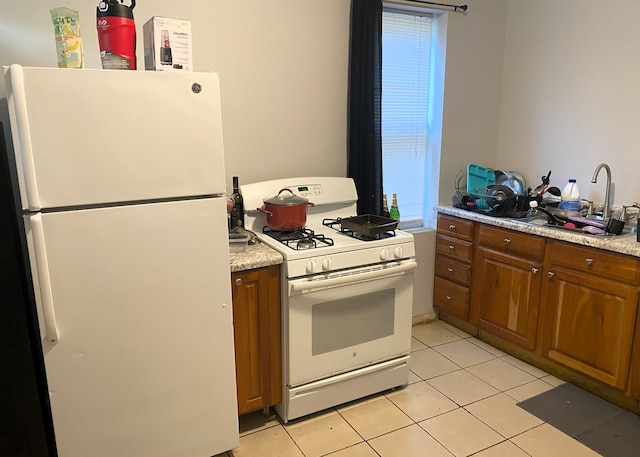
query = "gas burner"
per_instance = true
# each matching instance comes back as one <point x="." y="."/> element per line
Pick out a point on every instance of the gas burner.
<point x="300" y="239"/>
<point x="306" y="243"/>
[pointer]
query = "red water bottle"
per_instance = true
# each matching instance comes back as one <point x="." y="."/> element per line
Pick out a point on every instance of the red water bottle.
<point x="116" y="35"/>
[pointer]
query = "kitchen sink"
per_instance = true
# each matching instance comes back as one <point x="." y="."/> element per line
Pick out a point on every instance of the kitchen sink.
<point x="627" y="230"/>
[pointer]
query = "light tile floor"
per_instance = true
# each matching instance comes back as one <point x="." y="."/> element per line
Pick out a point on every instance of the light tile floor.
<point x="460" y="401"/>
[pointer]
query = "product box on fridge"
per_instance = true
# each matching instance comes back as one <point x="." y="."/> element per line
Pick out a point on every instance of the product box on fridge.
<point x="167" y="44"/>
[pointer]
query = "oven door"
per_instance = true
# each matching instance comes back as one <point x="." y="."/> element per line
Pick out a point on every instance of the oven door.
<point x="347" y="320"/>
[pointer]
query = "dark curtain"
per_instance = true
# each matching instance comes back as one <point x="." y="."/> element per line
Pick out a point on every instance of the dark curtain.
<point x="364" y="143"/>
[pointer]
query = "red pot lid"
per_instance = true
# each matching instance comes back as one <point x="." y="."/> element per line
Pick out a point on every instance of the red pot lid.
<point x="287" y="198"/>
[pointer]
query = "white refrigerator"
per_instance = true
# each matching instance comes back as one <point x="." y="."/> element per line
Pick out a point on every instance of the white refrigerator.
<point x="119" y="178"/>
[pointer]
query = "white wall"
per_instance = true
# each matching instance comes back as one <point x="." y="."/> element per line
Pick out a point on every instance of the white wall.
<point x="284" y="68"/>
<point x="570" y="93"/>
<point x="473" y="81"/>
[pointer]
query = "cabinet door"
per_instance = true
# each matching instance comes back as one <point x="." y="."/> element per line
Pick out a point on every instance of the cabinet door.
<point x="451" y="298"/>
<point x="589" y="324"/>
<point x="455" y="227"/>
<point x="454" y="271"/>
<point x="453" y="247"/>
<point x="256" y="321"/>
<point x="506" y="296"/>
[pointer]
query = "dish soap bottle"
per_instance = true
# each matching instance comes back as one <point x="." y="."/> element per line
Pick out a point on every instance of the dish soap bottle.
<point x="394" y="212"/>
<point x="570" y="197"/>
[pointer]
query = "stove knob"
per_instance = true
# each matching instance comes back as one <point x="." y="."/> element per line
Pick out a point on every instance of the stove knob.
<point x="326" y="264"/>
<point x="311" y="266"/>
<point x="384" y="254"/>
<point x="397" y="252"/>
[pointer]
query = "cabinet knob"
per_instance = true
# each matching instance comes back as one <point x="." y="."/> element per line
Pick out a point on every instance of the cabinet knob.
<point x="450" y="270"/>
<point x="448" y="297"/>
<point x="551" y="274"/>
<point x="451" y="247"/>
<point x="238" y="282"/>
<point x="534" y="270"/>
<point x="452" y="227"/>
<point x="507" y="241"/>
<point x="588" y="261"/>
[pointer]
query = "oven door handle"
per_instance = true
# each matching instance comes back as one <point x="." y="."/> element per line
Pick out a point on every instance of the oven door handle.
<point x="308" y="285"/>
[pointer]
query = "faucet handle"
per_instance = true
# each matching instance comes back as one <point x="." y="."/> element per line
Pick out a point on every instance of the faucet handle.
<point x="623" y="212"/>
<point x="590" y="208"/>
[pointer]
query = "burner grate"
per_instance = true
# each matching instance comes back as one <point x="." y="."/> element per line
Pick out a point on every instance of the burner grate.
<point x="300" y="239"/>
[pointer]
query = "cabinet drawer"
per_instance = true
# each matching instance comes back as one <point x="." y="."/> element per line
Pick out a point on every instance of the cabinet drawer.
<point x="448" y="268"/>
<point x="456" y="227"/>
<point x="530" y="246"/>
<point x="595" y="261"/>
<point x="451" y="298"/>
<point x="453" y="247"/>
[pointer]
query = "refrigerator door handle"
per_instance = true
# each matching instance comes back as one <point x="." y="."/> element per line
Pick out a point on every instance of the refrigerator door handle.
<point x="26" y="159"/>
<point x="42" y="270"/>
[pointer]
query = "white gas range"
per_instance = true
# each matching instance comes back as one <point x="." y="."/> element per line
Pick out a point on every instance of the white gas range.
<point x="346" y="302"/>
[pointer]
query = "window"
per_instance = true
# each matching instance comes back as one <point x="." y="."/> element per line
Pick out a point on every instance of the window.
<point x="407" y="87"/>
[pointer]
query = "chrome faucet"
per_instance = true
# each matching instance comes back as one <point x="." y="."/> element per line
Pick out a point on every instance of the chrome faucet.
<point x="606" y="212"/>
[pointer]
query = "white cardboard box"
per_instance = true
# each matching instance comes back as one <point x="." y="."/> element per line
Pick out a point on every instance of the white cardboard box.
<point x="167" y="44"/>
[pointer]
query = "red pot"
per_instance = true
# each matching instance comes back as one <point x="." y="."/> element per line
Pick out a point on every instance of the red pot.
<point x="285" y="212"/>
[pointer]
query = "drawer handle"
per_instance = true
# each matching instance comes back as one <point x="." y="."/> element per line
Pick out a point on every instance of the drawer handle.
<point x="238" y="282"/>
<point x="551" y="274"/>
<point x="507" y="241"/>
<point x="589" y="261"/>
<point x="450" y="270"/>
<point x="448" y="297"/>
<point x="534" y="271"/>
<point x="452" y="227"/>
<point x="451" y="247"/>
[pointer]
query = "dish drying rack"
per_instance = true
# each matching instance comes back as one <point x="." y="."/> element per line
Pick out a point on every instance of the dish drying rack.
<point x="473" y="193"/>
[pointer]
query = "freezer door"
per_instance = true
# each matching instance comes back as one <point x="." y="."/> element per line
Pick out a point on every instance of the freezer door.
<point x="142" y="362"/>
<point x="87" y="137"/>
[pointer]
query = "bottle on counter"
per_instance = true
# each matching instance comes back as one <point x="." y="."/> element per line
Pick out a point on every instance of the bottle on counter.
<point x="385" y="206"/>
<point x="533" y="212"/>
<point x="570" y="197"/>
<point x="237" y="212"/>
<point x="394" y="212"/>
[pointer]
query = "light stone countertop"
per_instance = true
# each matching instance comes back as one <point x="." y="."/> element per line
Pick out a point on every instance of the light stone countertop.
<point x="623" y="244"/>
<point x="255" y="256"/>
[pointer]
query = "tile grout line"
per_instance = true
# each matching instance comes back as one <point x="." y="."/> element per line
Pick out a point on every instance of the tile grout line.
<point x="418" y="379"/>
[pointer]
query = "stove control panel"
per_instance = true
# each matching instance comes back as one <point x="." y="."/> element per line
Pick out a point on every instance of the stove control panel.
<point x="391" y="253"/>
<point x="317" y="266"/>
<point x="349" y="258"/>
<point x="311" y="190"/>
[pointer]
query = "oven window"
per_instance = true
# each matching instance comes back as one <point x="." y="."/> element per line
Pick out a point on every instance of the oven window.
<point x="350" y="321"/>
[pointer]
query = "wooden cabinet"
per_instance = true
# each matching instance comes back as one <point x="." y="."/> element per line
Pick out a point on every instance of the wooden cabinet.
<point x="454" y="249"/>
<point x="633" y="386"/>
<point x="256" y="322"/>
<point x="507" y="277"/>
<point x="590" y="306"/>
<point x="568" y="308"/>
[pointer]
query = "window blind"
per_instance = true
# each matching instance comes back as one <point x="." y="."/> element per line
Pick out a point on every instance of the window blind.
<point x="406" y="56"/>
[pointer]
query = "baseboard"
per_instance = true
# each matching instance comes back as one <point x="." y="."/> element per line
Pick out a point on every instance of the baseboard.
<point x="423" y="318"/>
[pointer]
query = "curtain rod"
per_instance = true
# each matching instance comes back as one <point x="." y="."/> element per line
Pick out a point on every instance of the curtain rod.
<point x="455" y="7"/>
